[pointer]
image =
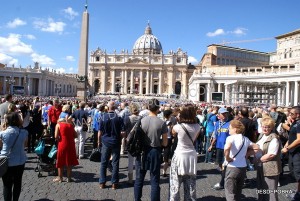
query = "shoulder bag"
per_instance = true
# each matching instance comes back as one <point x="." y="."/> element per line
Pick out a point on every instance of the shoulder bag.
<point x="186" y="131"/>
<point x="4" y="159"/>
<point x="225" y="165"/>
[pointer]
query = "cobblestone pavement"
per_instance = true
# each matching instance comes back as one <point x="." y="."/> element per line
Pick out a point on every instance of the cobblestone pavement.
<point x="86" y="187"/>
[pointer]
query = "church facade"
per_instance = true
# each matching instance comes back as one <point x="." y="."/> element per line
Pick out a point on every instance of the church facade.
<point x="144" y="71"/>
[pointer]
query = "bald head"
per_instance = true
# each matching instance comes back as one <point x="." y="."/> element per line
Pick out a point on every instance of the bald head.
<point x="111" y="105"/>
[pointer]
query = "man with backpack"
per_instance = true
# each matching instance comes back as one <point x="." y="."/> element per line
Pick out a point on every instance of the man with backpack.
<point x="150" y="159"/>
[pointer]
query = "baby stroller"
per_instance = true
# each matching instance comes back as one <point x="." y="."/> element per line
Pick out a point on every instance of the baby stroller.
<point x="44" y="163"/>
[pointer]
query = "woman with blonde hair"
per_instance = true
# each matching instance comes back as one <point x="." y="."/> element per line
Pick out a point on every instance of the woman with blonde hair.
<point x="66" y="153"/>
<point x="268" y="161"/>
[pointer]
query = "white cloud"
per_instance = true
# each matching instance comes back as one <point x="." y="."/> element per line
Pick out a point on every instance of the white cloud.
<point x="192" y="60"/>
<point x="216" y="33"/>
<point x="71" y="69"/>
<point x="61" y="70"/>
<point x="42" y="59"/>
<point x="70" y="58"/>
<point x="49" y="26"/>
<point x="237" y="31"/>
<point x="70" y="13"/>
<point x="14" y="46"/>
<point x="15" y="23"/>
<point x="30" y="37"/>
<point x="6" y="59"/>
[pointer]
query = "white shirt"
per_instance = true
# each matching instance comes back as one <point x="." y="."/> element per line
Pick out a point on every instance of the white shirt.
<point x="273" y="146"/>
<point x="236" y="142"/>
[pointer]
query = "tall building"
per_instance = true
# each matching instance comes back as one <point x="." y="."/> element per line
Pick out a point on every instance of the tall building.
<point x="249" y="77"/>
<point x="36" y="81"/>
<point x="146" y="70"/>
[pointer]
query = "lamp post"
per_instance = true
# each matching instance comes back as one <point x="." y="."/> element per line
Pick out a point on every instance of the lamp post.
<point x="83" y="79"/>
<point x="10" y="82"/>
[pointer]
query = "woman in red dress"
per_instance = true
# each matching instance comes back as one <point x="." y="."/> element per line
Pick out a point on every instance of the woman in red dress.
<point x="66" y="153"/>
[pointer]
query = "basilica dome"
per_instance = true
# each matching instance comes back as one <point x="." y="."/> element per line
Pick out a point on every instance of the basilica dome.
<point x="147" y="43"/>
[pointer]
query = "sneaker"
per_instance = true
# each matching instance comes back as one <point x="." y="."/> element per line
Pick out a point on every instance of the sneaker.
<point x="217" y="186"/>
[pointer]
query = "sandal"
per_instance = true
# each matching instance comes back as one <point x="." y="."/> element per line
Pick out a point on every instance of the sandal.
<point x="57" y="179"/>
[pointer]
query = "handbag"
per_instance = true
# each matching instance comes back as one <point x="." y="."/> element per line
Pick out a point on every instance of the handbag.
<point x="84" y="127"/>
<point x="4" y="159"/>
<point x="39" y="150"/>
<point x="53" y="151"/>
<point x="95" y="155"/>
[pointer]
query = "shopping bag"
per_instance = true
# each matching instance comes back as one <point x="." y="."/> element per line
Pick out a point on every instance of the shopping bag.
<point x="52" y="152"/>
<point x="39" y="150"/>
<point x="95" y="155"/>
<point x="3" y="165"/>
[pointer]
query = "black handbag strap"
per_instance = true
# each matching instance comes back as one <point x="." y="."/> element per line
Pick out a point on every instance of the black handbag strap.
<point x="184" y="128"/>
<point x="240" y="148"/>
<point x="238" y="151"/>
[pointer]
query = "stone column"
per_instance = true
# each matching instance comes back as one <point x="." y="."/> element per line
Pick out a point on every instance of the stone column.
<point x="141" y="82"/>
<point x="287" y="94"/>
<point x="226" y="95"/>
<point x="29" y="86"/>
<point x="131" y="81"/>
<point x="122" y="82"/>
<point x="147" y="82"/>
<point x="208" y="92"/>
<point x="279" y="100"/>
<point x="151" y="82"/>
<point x="125" y="90"/>
<point x="296" y="93"/>
<point x="160" y="82"/>
<point x="113" y="80"/>
<point x="219" y="87"/>
<point x="40" y="87"/>
<point x="103" y="81"/>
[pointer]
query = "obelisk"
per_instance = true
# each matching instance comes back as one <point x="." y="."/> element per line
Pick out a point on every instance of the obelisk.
<point x="83" y="55"/>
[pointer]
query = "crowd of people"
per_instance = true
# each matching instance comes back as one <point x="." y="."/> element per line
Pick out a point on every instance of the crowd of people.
<point x="236" y="139"/>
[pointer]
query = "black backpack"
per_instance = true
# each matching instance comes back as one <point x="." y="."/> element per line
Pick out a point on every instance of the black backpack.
<point x="136" y="140"/>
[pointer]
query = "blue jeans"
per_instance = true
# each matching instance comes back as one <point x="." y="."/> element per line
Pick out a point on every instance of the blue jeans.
<point x="208" y="154"/>
<point x="149" y="161"/>
<point x="106" y="152"/>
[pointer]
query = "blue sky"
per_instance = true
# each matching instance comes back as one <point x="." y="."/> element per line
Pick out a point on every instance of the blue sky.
<point x="49" y="31"/>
